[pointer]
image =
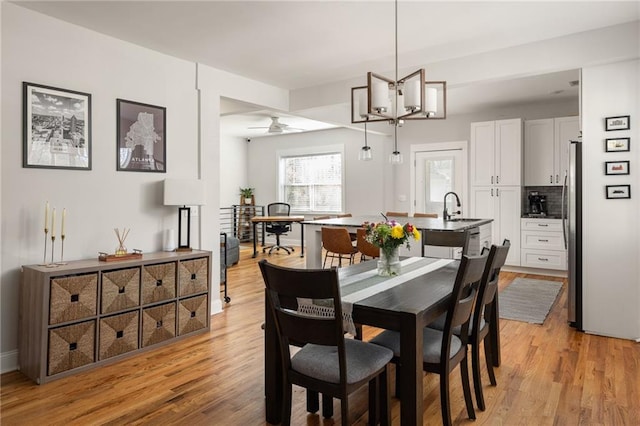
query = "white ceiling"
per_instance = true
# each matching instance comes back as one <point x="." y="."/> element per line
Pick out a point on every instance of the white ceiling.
<point x="295" y="44"/>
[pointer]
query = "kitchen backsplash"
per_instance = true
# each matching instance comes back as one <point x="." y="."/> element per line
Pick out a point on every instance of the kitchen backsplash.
<point x="554" y="198"/>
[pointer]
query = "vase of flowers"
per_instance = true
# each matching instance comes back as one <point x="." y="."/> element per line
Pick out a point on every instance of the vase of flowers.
<point x="389" y="236"/>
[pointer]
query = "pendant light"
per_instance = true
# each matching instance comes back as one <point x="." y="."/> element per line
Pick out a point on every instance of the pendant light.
<point x="365" y="151"/>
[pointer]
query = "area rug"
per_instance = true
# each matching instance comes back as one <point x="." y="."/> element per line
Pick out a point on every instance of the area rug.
<point x="528" y="300"/>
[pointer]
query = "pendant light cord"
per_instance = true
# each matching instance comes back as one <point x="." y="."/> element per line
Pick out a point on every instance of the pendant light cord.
<point x="395" y="122"/>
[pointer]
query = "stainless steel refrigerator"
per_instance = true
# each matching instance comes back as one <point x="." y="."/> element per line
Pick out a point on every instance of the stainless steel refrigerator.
<point x="572" y="227"/>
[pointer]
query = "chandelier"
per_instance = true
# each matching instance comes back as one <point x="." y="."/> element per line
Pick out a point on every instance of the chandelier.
<point x="408" y="98"/>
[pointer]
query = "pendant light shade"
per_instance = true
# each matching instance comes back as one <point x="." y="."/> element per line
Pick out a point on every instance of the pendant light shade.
<point x="365" y="152"/>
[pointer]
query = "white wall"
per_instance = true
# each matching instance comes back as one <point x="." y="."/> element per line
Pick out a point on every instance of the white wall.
<point x="46" y="51"/>
<point x="233" y="170"/>
<point x="611" y="235"/>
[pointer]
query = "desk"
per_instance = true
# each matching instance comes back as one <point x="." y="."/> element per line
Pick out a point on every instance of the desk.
<point x="407" y="308"/>
<point x="274" y="219"/>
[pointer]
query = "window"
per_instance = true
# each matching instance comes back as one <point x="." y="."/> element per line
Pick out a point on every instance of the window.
<point x="312" y="182"/>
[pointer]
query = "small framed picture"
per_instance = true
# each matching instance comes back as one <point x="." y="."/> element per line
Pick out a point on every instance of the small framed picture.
<point x="621" y="122"/>
<point x="57" y="128"/>
<point x="616" y="168"/>
<point x="618" y="191"/>
<point x="617" y="145"/>
<point x="142" y="140"/>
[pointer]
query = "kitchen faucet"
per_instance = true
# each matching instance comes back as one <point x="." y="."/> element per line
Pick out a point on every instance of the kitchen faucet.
<point x="445" y="213"/>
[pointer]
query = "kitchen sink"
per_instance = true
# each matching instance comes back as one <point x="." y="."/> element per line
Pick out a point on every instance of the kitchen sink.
<point x="462" y="219"/>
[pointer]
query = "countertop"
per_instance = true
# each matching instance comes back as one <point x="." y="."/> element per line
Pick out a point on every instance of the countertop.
<point x="422" y="223"/>
<point x="550" y="216"/>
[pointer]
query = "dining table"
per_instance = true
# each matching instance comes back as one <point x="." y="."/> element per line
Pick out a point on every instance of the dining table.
<point x="406" y="303"/>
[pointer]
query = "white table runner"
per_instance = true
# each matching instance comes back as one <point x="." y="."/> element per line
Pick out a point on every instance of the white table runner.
<point x="366" y="284"/>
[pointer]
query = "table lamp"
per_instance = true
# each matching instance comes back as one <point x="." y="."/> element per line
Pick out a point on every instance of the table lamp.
<point x="184" y="192"/>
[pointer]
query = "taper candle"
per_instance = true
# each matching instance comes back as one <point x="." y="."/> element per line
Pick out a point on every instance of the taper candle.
<point x="46" y="216"/>
<point x="64" y="215"/>
<point x="53" y="223"/>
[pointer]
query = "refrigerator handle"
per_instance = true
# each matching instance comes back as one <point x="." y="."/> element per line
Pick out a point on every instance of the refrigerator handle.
<point x="563" y="212"/>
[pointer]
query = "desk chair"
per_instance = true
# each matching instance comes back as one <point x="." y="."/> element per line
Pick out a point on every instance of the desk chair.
<point x="337" y="243"/>
<point x="443" y="350"/>
<point x="433" y="215"/>
<point x="327" y="363"/>
<point x="445" y="239"/>
<point x="278" y="228"/>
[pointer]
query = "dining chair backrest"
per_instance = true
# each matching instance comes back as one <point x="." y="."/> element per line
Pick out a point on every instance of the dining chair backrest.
<point x="488" y="288"/>
<point x="364" y="246"/>
<point x="446" y="239"/>
<point x="336" y="240"/>
<point x="321" y="217"/>
<point x="432" y="215"/>
<point x="398" y="214"/>
<point x="344" y="215"/>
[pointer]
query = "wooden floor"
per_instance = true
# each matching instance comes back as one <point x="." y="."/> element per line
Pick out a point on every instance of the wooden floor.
<point x="549" y="375"/>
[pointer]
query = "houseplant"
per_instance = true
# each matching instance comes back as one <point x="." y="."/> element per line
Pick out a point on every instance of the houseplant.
<point x="247" y="195"/>
<point x="389" y="236"/>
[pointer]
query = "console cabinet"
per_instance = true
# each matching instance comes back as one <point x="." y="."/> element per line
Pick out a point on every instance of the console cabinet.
<point x="77" y="316"/>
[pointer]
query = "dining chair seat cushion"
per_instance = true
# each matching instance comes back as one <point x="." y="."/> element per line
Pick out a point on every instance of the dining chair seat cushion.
<point x="431" y="346"/>
<point x="438" y="324"/>
<point x="321" y="362"/>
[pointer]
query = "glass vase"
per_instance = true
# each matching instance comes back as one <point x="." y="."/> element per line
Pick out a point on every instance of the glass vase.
<point x="389" y="262"/>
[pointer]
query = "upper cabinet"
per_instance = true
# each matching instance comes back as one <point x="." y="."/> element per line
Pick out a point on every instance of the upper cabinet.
<point x="496" y="152"/>
<point x="546" y="150"/>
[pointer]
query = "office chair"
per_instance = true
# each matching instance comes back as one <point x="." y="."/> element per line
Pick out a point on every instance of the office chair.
<point x="278" y="228"/>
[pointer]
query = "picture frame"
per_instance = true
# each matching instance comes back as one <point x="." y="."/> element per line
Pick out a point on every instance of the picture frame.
<point x="620" y="122"/>
<point x="618" y="191"/>
<point x="616" y="167"/>
<point x="617" y="145"/>
<point x="141" y="144"/>
<point x="56" y="130"/>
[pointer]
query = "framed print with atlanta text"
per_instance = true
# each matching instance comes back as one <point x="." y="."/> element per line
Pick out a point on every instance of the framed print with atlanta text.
<point x="141" y="133"/>
<point x="56" y="128"/>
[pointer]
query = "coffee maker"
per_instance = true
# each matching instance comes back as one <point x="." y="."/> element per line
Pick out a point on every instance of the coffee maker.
<point x="537" y="204"/>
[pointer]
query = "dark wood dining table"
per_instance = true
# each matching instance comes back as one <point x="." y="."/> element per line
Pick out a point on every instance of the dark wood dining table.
<point x="406" y="308"/>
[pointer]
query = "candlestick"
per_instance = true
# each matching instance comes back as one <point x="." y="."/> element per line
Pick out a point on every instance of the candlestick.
<point x="53" y="223"/>
<point x="46" y="216"/>
<point x="44" y="259"/>
<point x="62" y="262"/>
<point x="64" y="215"/>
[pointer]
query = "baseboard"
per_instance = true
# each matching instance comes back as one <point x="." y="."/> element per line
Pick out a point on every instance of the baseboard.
<point x="216" y="306"/>
<point x="8" y="361"/>
<point x="535" y="271"/>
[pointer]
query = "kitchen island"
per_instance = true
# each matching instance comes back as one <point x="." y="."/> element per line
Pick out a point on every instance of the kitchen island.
<point x="314" y="238"/>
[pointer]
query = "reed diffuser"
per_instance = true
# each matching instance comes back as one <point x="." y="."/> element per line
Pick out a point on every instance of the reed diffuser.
<point x="121" y="250"/>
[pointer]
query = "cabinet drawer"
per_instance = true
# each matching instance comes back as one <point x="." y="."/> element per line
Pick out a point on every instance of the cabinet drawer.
<point x="118" y="334"/>
<point x="542" y="240"/>
<point x="158" y="282"/>
<point x="71" y="346"/>
<point x="73" y="298"/>
<point x="544" y="259"/>
<point x="120" y="290"/>
<point x="192" y="314"/>
<point x="542" y="225"/>
<point x="158" y="324"/>
<point x="193" y="276"/>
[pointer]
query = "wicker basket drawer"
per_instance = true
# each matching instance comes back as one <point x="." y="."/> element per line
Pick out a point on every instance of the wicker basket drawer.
<point x="73" y="298"/>
<point x="192" y="314"/>
<point x="71" y="346"/>
<point x="120" y="290"/>
<point x="158" y="324"/>
<point x="118" y="334"/>
<point x="193" y="276"/>
<point x="158" y="282"/>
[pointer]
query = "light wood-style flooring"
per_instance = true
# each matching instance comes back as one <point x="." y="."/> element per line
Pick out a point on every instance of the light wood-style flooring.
<point x="550" y="375"/>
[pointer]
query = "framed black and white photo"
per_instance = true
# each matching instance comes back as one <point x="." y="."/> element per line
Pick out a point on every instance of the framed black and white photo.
<point x="142" y="141"/>
<point x="618" y="191"/>
<point x="56" y="128"/>
<point x="621" y="122"/>
<point x="617" y="145"/>
<point x="616" y="168"/>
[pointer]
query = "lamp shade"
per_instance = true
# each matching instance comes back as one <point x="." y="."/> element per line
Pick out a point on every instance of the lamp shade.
<point x="184" y="192"/>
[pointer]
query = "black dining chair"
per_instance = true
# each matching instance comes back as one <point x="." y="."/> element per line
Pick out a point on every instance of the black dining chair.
<point x="481" y="318"/>
<point x="443" y="350"/>
<point x="278" y="228"/>
<point x="327" y="363"/>
<point x="445" y="239"/>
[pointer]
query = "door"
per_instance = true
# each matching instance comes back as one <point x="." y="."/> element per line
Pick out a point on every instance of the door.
<point x="567" y="129"/>
<point x="437" y="172"/>
<point x="539" y="151"/>
<point x="509" y="200"/>
<point x="482" y="153"/>
<point x="508" y="162"/>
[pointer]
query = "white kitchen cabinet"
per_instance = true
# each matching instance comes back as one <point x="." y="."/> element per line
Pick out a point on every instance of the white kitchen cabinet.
<point x="543" y="244"/>
<point x="496" y="153"/>
<point x="503" y="205"/>
<point x="546" y="149"/>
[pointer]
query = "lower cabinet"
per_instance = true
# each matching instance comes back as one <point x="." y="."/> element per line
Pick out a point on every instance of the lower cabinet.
<point x="83" y="314"/>
<point x="543" y="244"/>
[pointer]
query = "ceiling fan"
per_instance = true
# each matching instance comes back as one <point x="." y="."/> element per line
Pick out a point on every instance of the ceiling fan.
<point x="277" y="127"/>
